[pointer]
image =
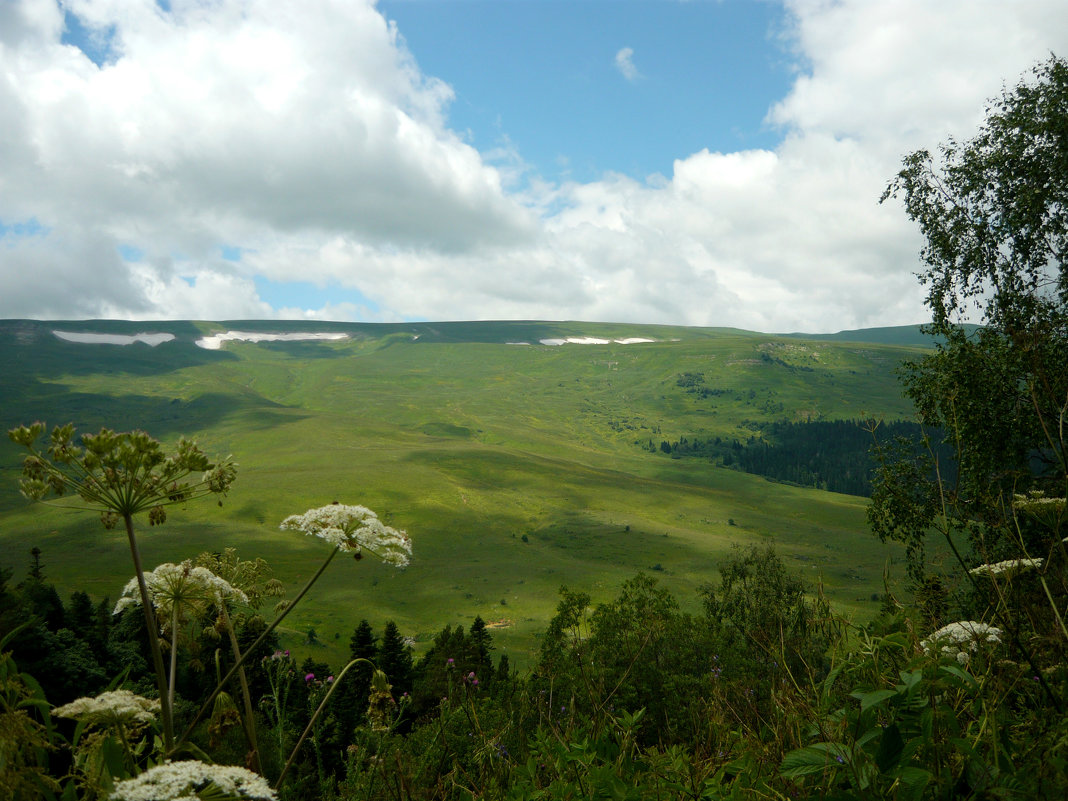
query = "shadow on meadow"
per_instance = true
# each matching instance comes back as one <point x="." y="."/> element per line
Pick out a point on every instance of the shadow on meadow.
<point x="29" y="349"/>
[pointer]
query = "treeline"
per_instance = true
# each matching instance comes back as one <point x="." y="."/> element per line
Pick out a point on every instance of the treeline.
<point x="835" y="455"/>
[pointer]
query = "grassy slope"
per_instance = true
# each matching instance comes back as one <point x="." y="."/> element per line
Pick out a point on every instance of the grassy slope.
<point x="470" y="444"/>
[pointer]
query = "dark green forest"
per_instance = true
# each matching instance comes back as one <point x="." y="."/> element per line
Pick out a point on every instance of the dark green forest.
<point x="834" y="455"/>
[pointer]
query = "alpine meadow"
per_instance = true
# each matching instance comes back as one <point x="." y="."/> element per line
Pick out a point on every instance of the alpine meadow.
<point x="561" y="560"/>
<point x="518" y="468"/>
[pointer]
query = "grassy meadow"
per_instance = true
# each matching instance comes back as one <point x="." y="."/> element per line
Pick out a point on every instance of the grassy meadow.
<point x="515" y="468"/>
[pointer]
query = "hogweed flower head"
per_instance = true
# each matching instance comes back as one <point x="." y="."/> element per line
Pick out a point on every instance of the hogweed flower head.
<point x="1036" y="501"/>
<point x="251" y="576"/>
<point x="185" y="587"/>
<point x="1006" y="568"/>
<point x="112" y="708"/>
<point x="962" y="639"/>
<point x="1048" y="511"/>
<point x="117" y="473"/>
<point x="194" y="780"/>
<point x="352" y="529"/>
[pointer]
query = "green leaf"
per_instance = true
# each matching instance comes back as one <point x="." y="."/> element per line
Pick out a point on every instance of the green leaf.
<point x="891" y="747"/>
<point x="813" y="759"/>
<point x="828" y="682"/>
<point x="876" y="698"/>
<point x="910" y="680"/>
<point x="964" y="679"/>
<point x="913" y="781"/>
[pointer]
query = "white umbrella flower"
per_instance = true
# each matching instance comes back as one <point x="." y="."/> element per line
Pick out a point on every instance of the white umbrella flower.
<point x="179" y="593"/>
<point x="194" y="780"/>
<point x="354" y="529"/>
<point x="111" y="708"/>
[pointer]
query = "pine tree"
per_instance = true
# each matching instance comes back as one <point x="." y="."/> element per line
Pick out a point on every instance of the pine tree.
<point x="395" y="659"/>
<point x="350" y="700"/>
<point x="363" y="644"/>
<point x="481" y="645"/>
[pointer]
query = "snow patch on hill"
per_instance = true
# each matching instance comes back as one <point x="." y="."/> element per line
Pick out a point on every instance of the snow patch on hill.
<point x="215" y="341"/>
<point x="89" y="338"/>
<point x="594" y="341"/>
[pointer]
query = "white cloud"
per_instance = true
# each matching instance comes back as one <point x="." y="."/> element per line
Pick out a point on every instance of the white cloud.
<point x="308" y="137"/>
<point x="235" y="121"/>
<point x="625" y="63"/>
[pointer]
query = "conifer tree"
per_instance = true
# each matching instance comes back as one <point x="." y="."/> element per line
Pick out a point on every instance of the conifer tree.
<point x="481" y="644"/>
<point x="395" y="659"/>
<point x="351" y="698"/>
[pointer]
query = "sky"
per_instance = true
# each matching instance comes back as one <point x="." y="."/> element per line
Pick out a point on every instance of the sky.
<point x="686" y="162"/>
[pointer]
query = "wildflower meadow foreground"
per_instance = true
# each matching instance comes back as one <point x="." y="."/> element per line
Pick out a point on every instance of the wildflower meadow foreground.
<point x="767" y="694"/>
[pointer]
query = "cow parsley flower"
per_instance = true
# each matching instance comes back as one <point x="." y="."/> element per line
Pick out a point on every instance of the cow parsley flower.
<point x="193" y="780"/>
<point x="1006" y="568"/>
<point x="1036" y="501"/>
<point x="1048" y="511"/>
<point x="189" y="589"/>
<point x="354" y="528"/>
<point x="962" y="639"/>
<point x="112" y="708"/>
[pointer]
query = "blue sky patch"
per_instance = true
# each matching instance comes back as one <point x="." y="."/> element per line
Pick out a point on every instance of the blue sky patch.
<point x="95" y="43"/>
<point x="130" y="253"/>
<point x="23" y="229"/>
<point x="545" y="78"/>
<point x="306" y="295"/>
<point x="231" y="252"/>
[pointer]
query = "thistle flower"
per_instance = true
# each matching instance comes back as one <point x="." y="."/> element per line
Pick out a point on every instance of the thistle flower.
<point x="961" y="639"/>
<point x="1006" y="568"/>
<point x="112" y="708"/>
<point x="192" y="779"/>
<point x="183" y="587"/>
<point x="353" y="528"/>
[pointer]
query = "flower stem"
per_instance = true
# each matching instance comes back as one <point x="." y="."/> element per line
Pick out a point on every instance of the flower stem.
<point x="315" y="716"/>
<point x="166" y="713"/>
<point x="246" y="697"/>
<point x="244" y="657"/>
<point x="174" y="652"/>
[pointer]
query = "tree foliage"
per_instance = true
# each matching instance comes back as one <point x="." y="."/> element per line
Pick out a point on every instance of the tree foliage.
<point x="993" y="211"/>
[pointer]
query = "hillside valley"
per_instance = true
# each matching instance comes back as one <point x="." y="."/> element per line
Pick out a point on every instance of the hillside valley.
<point x="519" y="456"/>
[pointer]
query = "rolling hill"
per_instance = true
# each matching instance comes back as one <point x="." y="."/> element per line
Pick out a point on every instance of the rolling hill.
<point x="520" y="456"/>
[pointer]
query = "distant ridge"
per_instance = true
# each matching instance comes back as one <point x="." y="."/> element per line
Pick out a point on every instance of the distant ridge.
<point x="910" y="335"/>
<point x="487" y="331"/>
<point x="907" y="335"/>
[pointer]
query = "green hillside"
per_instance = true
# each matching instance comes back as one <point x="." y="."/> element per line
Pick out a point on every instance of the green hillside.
<point x="516" y="468"/>
<point x="907" y="335"/>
